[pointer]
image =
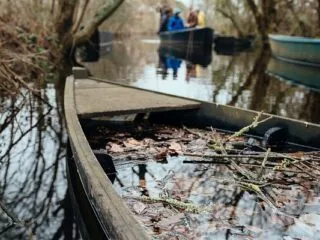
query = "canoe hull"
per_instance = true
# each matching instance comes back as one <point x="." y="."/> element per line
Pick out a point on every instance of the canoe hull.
<point x="200" y="39"/>
<point x="296" y="49"/>
<point x="295" y="73"/>
<point x="90" y="180"/>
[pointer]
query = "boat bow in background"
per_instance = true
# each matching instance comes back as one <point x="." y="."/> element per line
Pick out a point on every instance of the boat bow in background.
<point x="299" y="50"/>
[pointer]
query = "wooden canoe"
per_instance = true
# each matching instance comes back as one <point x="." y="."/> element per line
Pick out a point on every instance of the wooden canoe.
<point x="299" y="50"/>
<point x="103" y="213"/>
<point x="199" y="39"/>
<point x="297" y="74"/>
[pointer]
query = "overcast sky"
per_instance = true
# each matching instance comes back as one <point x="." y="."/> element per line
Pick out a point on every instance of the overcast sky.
<point x="188" y="2"/>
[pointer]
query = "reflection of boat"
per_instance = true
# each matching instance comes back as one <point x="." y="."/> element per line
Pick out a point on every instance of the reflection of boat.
<point x="100" y="44"/>
<point x="228" y="45"/>
<point x="296" y="73"/>
<point x="167" y="62"/>
<point x="233" y="42"/>
<point x="200" y="39"/>
<point x="89" y="101"/>
<point x="299" y="50"/>
<point x="191" y="55"/>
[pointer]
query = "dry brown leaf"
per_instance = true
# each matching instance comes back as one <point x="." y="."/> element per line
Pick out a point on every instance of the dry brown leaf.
<point x="132" y="143"/>
<point x="115" y="148"/>
<point x="175" y="148"/>
<point x="162" y="154"/>
<point x="166" y="223"/>
<point x="139" y="207"/>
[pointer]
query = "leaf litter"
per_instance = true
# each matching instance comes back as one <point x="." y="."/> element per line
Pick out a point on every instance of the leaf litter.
<point x="189" y="183"/>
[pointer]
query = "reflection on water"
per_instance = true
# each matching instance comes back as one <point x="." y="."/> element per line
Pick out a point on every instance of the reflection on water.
<point x="234" y="213"/>
<point x="149" y="162"/>
<point x="239" y="80"/>
<point x="33" y="184"/>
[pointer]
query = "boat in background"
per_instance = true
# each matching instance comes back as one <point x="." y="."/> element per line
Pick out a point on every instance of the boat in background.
<point x="199" y="39"/>
<point x="299" y="74"/>
<point x="298" y="50"/>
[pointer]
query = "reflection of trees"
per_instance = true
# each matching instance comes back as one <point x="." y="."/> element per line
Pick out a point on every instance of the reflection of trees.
<point x="254" y="89"/>
<point x="310" y="110"/>
<point x="125" y="61"/>
<point x="232" y="207"/>
<point x="258" y="70"/>
<point x="33" y="183"/>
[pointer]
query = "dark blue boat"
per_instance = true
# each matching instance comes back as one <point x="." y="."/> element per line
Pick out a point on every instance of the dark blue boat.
<point x="199" y="39"/>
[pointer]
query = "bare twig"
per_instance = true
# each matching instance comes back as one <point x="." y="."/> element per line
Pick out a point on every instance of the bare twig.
<point x="254" y="124"/>
<point x="264" y="163"/>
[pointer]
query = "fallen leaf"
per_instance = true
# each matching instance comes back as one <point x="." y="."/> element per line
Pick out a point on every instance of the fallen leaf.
<point x="115" y="148"/>
<point x="139" y="207"/>
<point x="175" y="148"/>
<point x="132" y="143"/>
<point x="162" y="154"/>
<point x="166" y="223"/>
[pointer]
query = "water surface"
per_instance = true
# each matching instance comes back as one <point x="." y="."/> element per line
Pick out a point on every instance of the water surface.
<point x="234" y="78"/>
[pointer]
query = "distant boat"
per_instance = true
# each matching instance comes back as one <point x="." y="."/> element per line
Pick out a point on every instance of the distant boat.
<point x="299" y="50"/>
<point x="295" y="73"/>
<point x="233" y="42"/>
<point x="199" y="38"/>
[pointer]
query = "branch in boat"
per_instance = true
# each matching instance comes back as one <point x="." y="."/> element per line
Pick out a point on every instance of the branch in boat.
<point x="254" y="124"/>
<point x="264" y="164"/>
<point x="231" y="156"/>
<point x="271" y="166"/>
<point x="188" y="207"/>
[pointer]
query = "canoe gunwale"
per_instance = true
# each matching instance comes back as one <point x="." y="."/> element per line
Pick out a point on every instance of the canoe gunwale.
<point x="293" y="39"/>
<point x="297" y="50"/>
<point x="116" y="219"/>
<point x="298" y="62"/>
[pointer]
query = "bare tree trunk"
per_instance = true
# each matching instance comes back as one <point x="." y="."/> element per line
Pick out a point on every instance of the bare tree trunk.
<point x="304" y="28"/>
<point x="318" y="10"/>
<point x="64" y="19"/>
<point x="65" y="22"/>
<point x="53" y="5"/>
<point x="79" y="19"/>
<point x="265" y="19"/>
<point x="233" y="20"/>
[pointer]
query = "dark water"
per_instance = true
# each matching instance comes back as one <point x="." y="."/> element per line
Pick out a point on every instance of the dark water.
<point x="33" y="183"/>
<point x="239" y="80"/>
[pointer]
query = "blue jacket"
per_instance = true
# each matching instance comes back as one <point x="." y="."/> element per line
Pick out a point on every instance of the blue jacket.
<point x="175" y="23"/>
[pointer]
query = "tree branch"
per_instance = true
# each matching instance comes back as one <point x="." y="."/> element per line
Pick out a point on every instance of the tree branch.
<point x="105" y="12"/>
<point x="79" y="19"/>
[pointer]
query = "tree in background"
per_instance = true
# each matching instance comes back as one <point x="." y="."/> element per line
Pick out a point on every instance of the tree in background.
<point x="36" y="35"/>
<point x="262" y="17"/>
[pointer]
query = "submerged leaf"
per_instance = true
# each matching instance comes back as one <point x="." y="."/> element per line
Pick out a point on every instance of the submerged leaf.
<point x="115" y="148"/>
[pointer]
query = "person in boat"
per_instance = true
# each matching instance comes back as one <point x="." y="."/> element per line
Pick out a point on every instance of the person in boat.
<point x="192" y="19"/>
<point x="201" y="18"/>
<point x="175" y="21"/>
<point x="164" y="17"/>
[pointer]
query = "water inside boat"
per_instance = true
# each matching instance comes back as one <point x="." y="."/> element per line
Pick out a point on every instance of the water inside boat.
<point x="177" y="186"/>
